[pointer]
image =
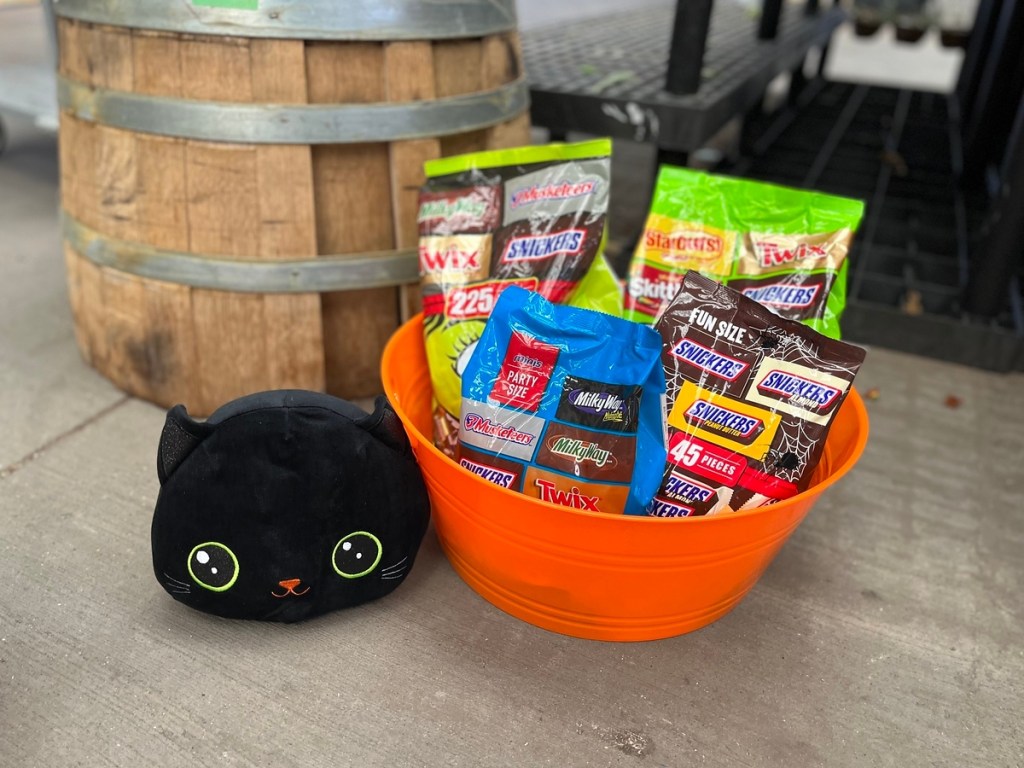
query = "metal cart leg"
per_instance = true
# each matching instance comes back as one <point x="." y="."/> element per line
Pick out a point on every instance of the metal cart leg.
<point x="973" y="67"/>
<point x="689" y="39"/>
<point x="797" y="82"/>
<point x="999" y="86"/>
<point x="1002" y="246"/>
<point x="771" y="12"/>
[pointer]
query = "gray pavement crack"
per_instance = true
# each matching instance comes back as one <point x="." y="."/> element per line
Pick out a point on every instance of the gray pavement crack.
<point x="10" y="469"/>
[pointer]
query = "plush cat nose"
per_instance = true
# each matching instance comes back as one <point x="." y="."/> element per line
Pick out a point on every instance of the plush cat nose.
<point x="290" y="584"/>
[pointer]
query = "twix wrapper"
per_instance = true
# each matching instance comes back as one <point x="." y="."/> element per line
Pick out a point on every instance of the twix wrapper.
<point x="750" y="398"/>
<point x="784" y="248"/>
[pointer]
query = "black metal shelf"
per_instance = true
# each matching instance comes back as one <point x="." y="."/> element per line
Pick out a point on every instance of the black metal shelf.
<point x="607" y="75"/>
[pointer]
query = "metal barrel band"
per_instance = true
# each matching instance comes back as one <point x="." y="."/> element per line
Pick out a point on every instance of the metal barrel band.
<point x="346" y="272"/>
<point x="303" y="19"/>
<point x="242" y="123"/>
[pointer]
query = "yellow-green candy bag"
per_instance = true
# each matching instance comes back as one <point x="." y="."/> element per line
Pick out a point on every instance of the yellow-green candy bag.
<point x="535" y="217"/>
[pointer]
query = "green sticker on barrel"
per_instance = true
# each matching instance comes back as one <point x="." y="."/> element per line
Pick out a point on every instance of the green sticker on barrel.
<point x="242" y="5"/>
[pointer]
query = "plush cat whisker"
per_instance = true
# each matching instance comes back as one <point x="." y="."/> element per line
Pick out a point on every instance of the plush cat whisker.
<point x="393" y="572"/>
<point x="173" y="580"/>
<point x="393" y="566"/>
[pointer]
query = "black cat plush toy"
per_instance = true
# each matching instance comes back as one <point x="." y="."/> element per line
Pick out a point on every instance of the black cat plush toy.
<point x="285" y="505"/>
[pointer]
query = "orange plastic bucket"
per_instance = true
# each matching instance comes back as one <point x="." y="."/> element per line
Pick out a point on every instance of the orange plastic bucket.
<point x="590" y="575"/>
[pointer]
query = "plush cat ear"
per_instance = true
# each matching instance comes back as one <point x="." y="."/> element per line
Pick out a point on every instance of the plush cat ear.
<point x="180" y="437"/>
<point x="385" y="425"/>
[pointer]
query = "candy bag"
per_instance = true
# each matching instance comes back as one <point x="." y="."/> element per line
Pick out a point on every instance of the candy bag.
<point x="785" y="248"/>
<point x="565" y="405"/>
<point x="751" y="397"/>
<point x="533" y="217"/>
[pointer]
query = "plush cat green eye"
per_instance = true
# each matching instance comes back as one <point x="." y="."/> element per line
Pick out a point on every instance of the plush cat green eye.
<point x="356" y="555"/>
<point x="213" y="566"/>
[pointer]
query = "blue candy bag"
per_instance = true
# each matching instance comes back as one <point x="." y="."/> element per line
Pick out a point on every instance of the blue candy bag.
<point x="565" y="405"/>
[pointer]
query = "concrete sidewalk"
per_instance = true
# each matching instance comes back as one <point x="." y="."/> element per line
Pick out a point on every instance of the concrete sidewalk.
<point x="888" y="632"/>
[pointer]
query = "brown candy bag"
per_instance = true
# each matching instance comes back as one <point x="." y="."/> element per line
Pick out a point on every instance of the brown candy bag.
<point x="750" y="398"/>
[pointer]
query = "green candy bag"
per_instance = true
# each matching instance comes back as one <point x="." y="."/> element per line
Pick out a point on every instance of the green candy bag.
<point x="533" y="217"/>
<point x="785" y="248"/>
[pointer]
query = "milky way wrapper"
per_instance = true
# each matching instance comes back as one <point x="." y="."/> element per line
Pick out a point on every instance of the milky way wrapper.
<point x="565" y="405"/>
<point x="532" y="217"/>
<point x="785" y="248"/>
<point x="750" y="399"/>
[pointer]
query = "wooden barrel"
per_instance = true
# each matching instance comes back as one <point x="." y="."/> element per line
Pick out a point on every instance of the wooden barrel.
<point x="239" y="184"/>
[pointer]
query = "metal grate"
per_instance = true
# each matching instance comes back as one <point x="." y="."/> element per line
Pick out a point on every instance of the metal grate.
<point x="896" y="150"/>
<point x="606" y="75"/>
